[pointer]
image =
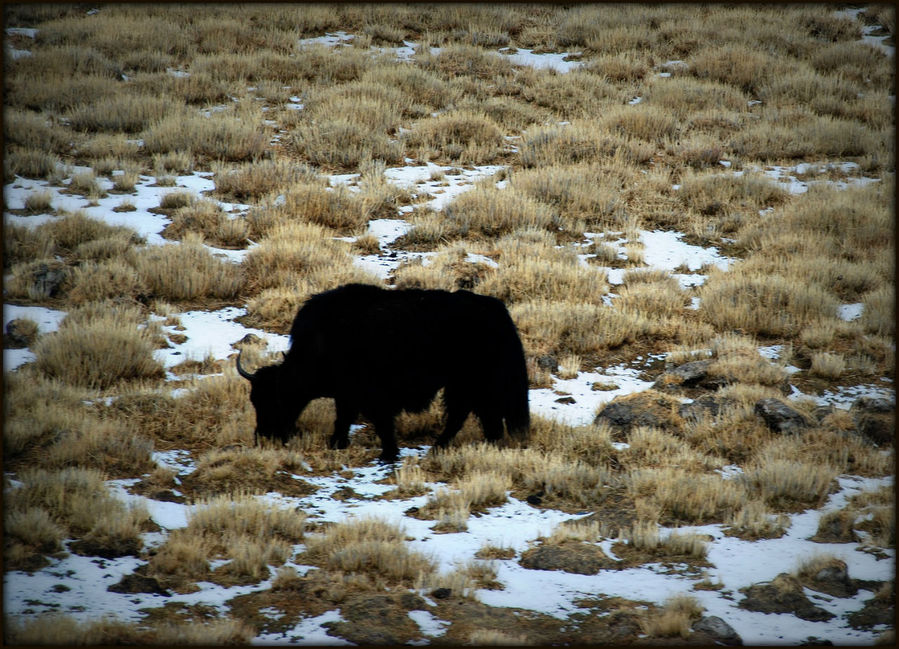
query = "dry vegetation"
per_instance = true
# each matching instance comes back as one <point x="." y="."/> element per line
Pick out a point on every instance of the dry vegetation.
<point x="158" y="92"/>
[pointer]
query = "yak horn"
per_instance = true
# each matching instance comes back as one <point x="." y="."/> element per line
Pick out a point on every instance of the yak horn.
<point x="241" y="370"/>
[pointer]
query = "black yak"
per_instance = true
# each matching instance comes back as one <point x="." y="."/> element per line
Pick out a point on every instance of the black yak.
<point x="379" y="351"/>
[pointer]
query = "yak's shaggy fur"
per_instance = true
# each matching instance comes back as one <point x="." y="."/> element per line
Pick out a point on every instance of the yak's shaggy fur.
<point x="378" y="352"/>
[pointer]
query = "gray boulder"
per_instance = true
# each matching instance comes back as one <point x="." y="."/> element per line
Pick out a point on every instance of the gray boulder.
<point x="780" y="417"/>
<point x="718" y="630"/>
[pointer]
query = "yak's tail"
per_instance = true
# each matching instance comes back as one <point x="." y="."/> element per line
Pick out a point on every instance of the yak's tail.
<point x="516" y="410"/>
<point x="518" y="415"/>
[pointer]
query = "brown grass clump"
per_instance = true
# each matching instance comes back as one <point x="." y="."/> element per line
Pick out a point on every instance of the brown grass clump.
<point x="675" y="619"/>
<point x="786" y="484"/>
<point x="250" y="534"/>
<point x="531" y="267"/>
<point x="101" y="445"/>
<point x="877" y="316"/>
<point x="186" y="272"/>
<point x="340" y="143"/>
<point x="644" y="542"/>
<point x="685" y="96"/>
<point x="294" y="261"/>
<point x="580" y="141"/>
<point x="765" y="305"/>
<point x="715" y="194"/>
<point x="815" y="135"/>
<point x="256" y="180"/>
<point x="226" y="136"/>
<point x="464" y="60"/>
<point x="247" y="471"/>
<point x="59" y="629"/>
<point x="69" y="234"/>
<point x="98" y="354"/>
<point x="683" y="497"/>
<point x="580" y="193"/>
<point x="370" y="546"/>
<point x="375" y="106"/>
<point x="651" y="124"/>
<point x="29" y="163"/>
<point x="409" y="479"/>
<point x="755" y="521"/>
<point x="214" y="412"/>
<point x="121" y="112"/>
<point x="480" y="213"/>
<point x="576" y="327"/>
<point x="449" y="269"/>
<point x="206" y="219"/>
<point x="461" y="136"/>
<point x="652" y="448"/>
<point x="426" y="90"/>
<point x="30" y="534"/>
<point x="77" y="501"/>
<point x="313" y="202"/>
<point x="92" y="282"/>
<point x="735" y="64"/>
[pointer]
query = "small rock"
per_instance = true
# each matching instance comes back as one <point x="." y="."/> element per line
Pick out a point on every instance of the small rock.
<point x="780" y="417"/>
<point x="874" y="419"/>
<point x="250" y="340"/>
<point x="548" y="363"/>
<point x="20" y="333"/>
<point x="412" y="602"/>
<point x="876" y="427"/>
<point x="573" y="557"/>
<point x="821" y="412"/>
<point x="704" y="406"/>
<point x="783" y="594"/>
<point x="687" y="374"/>
<point x="720" y="631"/>
<point x="138" y="584"/>
<point x="441" y="593"/>
<point x="649" y="408"/>
<point x="834" y="580"/>
<point x="47" y="280"/>
<point x="874" y="404"/>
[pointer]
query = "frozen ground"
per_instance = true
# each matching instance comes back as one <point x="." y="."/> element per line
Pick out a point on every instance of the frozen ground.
<point x="77" y="585"/>
<point x="67" y="584"/>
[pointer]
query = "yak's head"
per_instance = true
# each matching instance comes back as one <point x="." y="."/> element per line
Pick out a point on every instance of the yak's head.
<point x="276" y="399"/>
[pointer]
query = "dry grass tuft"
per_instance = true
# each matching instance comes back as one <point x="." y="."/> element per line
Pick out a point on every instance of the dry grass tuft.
<point x="247" y="471"/>
<point x="786" y="484"/>
<point x="370" y="546"/>
<point x="186" y="272"/>
<point x="241" y="529"/>
<point x="98" y="354"/>
<point x="764" y="304"/>
<point x="682" y="497"/>
<point x="256" y="180"/>
<point x="675" y="619"/>
<point x="755" y="521"/>
<point x="206" y="219"/>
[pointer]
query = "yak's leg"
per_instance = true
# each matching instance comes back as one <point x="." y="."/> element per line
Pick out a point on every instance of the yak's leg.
<point x="492" y="423"/>
<point x="384" y="428"/>
<point x="346" y="415"/>
<point x="457" y="411"/>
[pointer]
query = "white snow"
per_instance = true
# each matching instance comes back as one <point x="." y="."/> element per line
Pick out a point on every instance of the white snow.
<point x="544" y="401"/>
<point x="561" y="62"/>
<point x="665" y="251"/>
<point x="211" y="333"/>
<point x="310" y="631"/>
